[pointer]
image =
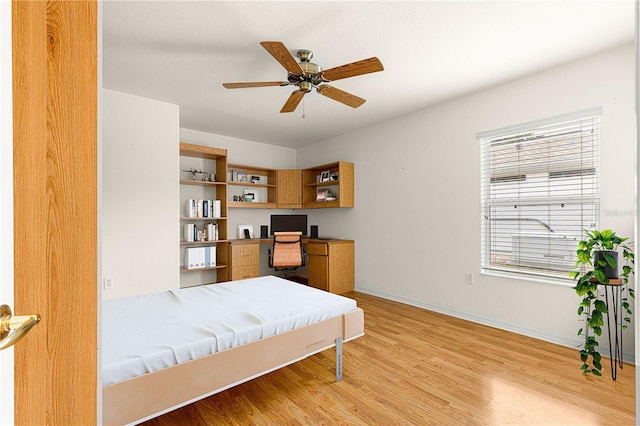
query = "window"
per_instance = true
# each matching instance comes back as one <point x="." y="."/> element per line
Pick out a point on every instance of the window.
<point x="540" y="190"/>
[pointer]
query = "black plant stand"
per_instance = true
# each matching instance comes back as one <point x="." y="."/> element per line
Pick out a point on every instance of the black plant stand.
<point x="613" y="290"/>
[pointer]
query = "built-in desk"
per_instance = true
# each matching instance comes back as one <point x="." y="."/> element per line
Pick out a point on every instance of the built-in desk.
<point x="330" y="262"/>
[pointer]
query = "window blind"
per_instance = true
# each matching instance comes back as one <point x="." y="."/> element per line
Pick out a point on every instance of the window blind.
<point x="540" y="190"/>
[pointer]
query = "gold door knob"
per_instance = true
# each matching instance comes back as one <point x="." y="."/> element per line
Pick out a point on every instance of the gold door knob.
<point x="19" y="324"/>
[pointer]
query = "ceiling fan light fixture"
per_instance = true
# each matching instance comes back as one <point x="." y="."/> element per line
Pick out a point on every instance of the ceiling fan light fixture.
<point x="306" y="76"/>
<point x="310" y="68"/>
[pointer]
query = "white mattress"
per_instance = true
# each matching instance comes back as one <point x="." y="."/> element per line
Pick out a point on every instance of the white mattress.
<point x="142" y="334"/>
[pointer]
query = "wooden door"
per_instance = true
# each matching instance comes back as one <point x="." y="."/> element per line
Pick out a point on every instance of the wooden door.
<point x="55" y="210"/>
<point x="6" y="199"/>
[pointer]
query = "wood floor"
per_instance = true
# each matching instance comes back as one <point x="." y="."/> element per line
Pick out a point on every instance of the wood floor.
<point x="415" y="367"/>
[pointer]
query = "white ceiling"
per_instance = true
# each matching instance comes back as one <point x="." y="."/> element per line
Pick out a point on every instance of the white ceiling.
<point x="181" y="52"/>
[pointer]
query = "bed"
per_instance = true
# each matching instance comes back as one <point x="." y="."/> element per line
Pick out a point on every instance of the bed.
<point x="165" y="350"/>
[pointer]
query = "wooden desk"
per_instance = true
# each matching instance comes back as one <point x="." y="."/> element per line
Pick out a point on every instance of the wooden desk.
<point x="330" y="262"/>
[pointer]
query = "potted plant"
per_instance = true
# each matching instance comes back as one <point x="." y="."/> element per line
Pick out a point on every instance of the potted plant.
<point x="598" y="264"/>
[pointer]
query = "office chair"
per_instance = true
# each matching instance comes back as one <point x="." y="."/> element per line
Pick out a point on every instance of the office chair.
<point x="288" y="253"/>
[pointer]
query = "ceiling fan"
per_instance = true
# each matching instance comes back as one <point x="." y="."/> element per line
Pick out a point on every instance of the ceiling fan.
<point x="308" y="76"/>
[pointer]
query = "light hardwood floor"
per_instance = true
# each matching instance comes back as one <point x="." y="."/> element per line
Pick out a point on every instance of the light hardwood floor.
<point x="416" y="367"/>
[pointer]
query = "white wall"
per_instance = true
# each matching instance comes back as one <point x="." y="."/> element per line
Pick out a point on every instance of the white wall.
<point x="416" y="221"/>
<point x="140" y="194"/>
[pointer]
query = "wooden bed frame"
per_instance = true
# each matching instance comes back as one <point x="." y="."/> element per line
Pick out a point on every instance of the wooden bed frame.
<point x="147" y="396"/>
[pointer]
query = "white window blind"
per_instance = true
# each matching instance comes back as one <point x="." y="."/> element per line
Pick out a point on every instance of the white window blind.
<point x="540" y="190"/>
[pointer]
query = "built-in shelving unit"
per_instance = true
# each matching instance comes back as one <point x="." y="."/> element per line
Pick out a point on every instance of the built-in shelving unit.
<point x="203" y="176"/>
<point x="328" y="186"/>
<point x="249" y="180"/>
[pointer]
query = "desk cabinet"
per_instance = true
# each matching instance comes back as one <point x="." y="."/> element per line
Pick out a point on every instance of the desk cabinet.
<point x="245" y="260"/>
<point x="331" y="265"/>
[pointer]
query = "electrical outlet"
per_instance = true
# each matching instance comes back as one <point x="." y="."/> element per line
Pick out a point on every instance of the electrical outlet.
<point x="468" y="276"/>
<point x="108" y="283"/>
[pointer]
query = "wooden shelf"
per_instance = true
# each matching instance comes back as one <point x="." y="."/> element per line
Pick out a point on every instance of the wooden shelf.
<point x="251" y="185"/>
<point x="297" y="188"/>
<point x="183" y="269"/>
<point x="201" y="243"/>
<point x="203" y="218"/>
<point x="212" y="160"/>
<point x="322" y="204"/>
<point x="201" y="182"/>
<point x="328" y="183"/>
<point x="266" y="188"/>
<point x="201" y="151"/>
<point x="247" y="205"/>
<point x="343" y="186"/>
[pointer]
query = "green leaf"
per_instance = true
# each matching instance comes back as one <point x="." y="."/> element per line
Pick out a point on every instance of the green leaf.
<point x="600" y="306"/>
<point x="610" y="259"/>
<point x="596" y="372"/>
<point x="584" y="257"/>
<point x="580" y="310"/>
<point x="600" y="275"/>
<point x="597" y="330"/>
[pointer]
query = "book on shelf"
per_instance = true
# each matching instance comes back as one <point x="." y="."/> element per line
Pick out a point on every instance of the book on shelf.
<point x="198" y="208"/>
<point x="200" y="257"/>
<point x="190" y="233"/>
<point x="209" y="256"/>
<point x="212" y="232"/>
<point x="190" y="261"/>
<point x="190" y="208"/>
<point x="202" y="208"/>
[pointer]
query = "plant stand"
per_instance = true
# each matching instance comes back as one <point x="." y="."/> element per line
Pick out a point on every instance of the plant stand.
<point x="612" y="289"/>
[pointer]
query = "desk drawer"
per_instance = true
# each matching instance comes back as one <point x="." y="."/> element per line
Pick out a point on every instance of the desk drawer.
<point x="317" y="249"/>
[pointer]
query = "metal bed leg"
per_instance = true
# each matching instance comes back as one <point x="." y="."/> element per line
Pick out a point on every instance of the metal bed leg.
<point x="338" y="359"/>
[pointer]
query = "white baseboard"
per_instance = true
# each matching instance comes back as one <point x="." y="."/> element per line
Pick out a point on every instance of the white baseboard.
<point x="628" y="357"/>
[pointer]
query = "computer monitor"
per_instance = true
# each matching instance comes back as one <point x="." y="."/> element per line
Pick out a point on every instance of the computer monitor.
<point x="289" y="223"/>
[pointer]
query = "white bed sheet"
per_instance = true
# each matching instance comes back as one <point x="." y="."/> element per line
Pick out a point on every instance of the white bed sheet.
<point x="142" y="334"/>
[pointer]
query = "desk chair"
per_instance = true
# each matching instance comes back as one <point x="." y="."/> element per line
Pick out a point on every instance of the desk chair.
<point x="288" y="253"/>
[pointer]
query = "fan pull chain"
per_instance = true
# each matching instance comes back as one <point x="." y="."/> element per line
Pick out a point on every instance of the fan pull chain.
<point x="303" y="111"/>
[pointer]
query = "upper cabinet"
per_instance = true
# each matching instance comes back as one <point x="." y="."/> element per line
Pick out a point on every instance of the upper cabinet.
<point x="325" y="186"/>
<point x="329" y="185"/>
<point x="289" y="189"/>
